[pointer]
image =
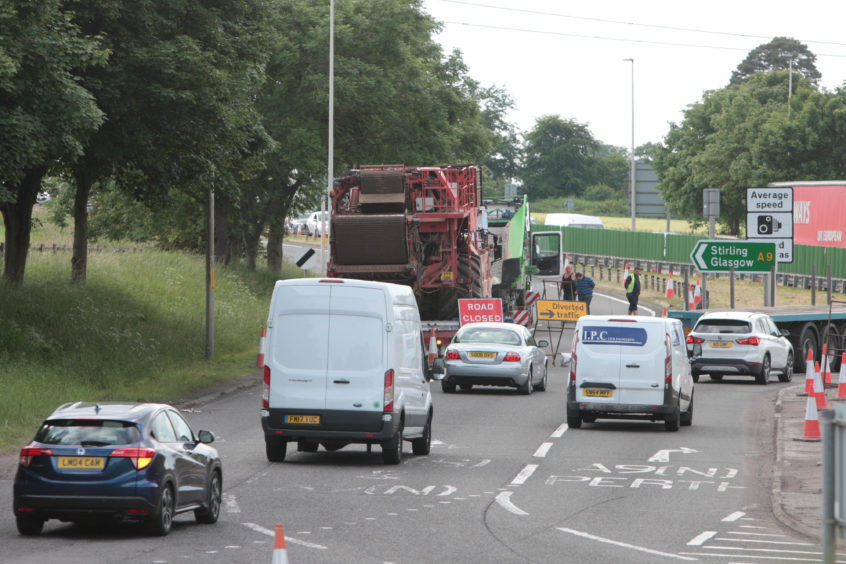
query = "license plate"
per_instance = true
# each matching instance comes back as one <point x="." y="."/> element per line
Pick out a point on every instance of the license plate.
<point x="303" y="419"/>
<point x="482" y="355"/>
<point x="597" y="393"/>
<point x="720" y="344"/>
<point x="82" y="462"/>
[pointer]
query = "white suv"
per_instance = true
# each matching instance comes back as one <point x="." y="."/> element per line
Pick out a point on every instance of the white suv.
<point x="739" y="342"/>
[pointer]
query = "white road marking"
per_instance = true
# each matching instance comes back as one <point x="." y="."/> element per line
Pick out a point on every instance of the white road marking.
<point x="733" y="517"/>
<point x="230" y="504"/>
<point x="623" y="544"/>
<point x="504" y="500"/>
<point x="542" y="450"/>
<point x="560" y="431"/>
<point x="770" y="550"/>
<point x="268" y="532"/>
<point x="764" y="541"/>
<point x="524" y="474"/>
<point x="699" y="539"/>
<point x="745" y="557"/>
<point x="484" y="462"/>
<point x="779" y="535"/>
<point x="664" y="455"/>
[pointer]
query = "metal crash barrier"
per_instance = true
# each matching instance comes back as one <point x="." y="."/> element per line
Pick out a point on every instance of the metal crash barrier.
<point x="833" y="431"/>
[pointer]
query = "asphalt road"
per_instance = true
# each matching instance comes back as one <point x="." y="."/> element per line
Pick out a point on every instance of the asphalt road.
<point x="506" y="481"/>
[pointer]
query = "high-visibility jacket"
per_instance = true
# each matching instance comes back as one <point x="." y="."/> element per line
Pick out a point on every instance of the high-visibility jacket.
<point x="630" y="287"/>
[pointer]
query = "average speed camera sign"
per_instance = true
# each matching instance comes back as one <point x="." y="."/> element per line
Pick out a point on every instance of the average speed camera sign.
<point x="769" y="217"/>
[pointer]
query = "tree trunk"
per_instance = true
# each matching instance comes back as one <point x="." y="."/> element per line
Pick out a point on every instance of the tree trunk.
<point x="274" y="248"/>
<point x="79" y="260"/>
<point x="17" y="218"/>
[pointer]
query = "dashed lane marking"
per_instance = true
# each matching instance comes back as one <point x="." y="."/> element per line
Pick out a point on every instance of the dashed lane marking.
<point x="733" y="516"/>
<point x="701" y="538"/>
<point x="524" y="474"/>
<point x="559" y="432"/>
<point x="542" y="450"/>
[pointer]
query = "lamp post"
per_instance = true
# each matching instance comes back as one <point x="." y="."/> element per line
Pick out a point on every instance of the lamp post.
<point x="326" y="206"/>
<point x="633" y="149"/>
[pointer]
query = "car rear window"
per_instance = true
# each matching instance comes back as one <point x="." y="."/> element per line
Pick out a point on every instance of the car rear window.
<point x="87" y="432"/>
<point x="723" y="326"/>
<point x="488" y="335"/>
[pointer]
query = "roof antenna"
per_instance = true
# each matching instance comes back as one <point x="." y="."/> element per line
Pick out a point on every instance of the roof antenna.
<point x="97" y="408"/>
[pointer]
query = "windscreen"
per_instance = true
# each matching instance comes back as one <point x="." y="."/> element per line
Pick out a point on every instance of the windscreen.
<point x="87" y="432"/>
<point x="487" y="335"/>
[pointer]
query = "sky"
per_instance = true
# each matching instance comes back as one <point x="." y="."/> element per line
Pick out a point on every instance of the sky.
<point x="567" y="58"/>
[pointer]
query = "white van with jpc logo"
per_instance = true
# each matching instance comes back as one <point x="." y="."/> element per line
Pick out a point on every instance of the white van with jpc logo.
<point x="345" y="364"/>
<point x="629" y="367"/>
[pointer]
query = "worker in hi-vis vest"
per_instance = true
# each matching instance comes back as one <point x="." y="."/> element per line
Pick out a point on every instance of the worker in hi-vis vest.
<point x="633" y="286"/>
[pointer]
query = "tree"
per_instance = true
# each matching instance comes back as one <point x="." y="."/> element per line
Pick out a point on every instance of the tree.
<point x="777" y="55"/>
<point x="45" y="113"/>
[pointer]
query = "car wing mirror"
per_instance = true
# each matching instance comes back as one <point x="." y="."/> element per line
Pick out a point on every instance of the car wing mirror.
<point x="205" y="436"/>
<point x="543" y="344"/>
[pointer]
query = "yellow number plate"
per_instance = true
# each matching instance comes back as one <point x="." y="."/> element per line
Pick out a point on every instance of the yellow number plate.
<point x="484" y="355"/>
<point x="597" y="393"/>
<point x="447" y="277"/>
<point x="82" y="462"/>
<point x="303" y="419"/>
<point x="720" y="344"/>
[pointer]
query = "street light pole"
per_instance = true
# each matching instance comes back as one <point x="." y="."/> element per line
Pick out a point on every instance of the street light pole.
<point x="327" y="202"/>
<point x="632" y="156"/>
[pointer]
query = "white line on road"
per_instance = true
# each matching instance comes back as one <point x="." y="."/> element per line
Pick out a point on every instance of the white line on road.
<point x="230" y="503"/>
<point x="268" y="532"/>
<point x="559" y="431"/>
<point x="699" y="539"/>
<point x="504" y="500"/>
<point x="733" y="517"/>
<point x="542" y="450"/>
<point x="524" y="474"/>
<point x="623" y="544"/>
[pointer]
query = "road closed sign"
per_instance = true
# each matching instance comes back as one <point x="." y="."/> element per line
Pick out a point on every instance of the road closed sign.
<point x="559" y="310"/>
<point x="479" y="310"/>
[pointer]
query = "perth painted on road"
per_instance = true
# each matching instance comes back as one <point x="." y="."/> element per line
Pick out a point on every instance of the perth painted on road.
<point x="743" y="256"/>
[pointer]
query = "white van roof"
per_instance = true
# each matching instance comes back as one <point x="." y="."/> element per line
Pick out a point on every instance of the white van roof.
<point x="400" y="295"/>
<point x="573" y="220"/>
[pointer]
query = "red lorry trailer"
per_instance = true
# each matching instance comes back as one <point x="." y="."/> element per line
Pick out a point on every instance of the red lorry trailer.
<point x="415" y="226"/>
<point x="819" y="216"/>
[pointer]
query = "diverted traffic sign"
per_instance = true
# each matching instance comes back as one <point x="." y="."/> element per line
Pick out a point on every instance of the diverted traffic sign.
<point x="560" y="310"/>
<point x="744" y="256"/>
<point x="479" y="310"/>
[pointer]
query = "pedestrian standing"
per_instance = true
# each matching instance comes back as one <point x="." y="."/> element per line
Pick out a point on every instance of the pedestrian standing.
<point x="584" y="289"/>
<point x="633" y="285"/>
<point x="567" y="290"/>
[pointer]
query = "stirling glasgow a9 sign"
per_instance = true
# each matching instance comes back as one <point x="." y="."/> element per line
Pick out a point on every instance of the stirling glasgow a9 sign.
<point x="743" y="256"/>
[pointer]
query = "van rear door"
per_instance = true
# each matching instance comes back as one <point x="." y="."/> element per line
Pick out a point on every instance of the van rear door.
<point x="357" y="362"/>
<point x="642" y="365"/>
<point x="598" y="363"/>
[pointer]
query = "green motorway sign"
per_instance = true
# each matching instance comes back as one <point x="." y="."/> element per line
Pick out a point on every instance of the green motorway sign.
<point x="744" y="256"/>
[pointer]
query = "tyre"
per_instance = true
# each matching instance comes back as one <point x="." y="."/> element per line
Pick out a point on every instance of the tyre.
<point x="695" y="376"/>
<point x="528" y="387"/>
<point x="162" y="519"/>
<point x="807" y="342"/>
<point x="211" y="511"/>
<point x="686" y="418"/>
<point x="29" y="526"/>
<point x="716" y="377"/>
<point x="424" y="444"/>
<point x="763" y="375"/>
<point x="588" y="418"/>
<point x="275" y="449"/>
<point x="787" y="373"/>
<point x="673" y="420"/>
<point x="574" y="421"/>
<point x="392" y="448"/>
<point x="541" y="386"/>
<point x="447" y="386"/>
<point x="476" y="273"/>
<point x="306" y="446"/>
<point x="466" y="387"/>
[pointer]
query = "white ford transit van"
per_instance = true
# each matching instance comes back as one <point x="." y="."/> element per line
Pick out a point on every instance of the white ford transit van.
<point x="629" y="367"/>
<point x="344" y="364"/>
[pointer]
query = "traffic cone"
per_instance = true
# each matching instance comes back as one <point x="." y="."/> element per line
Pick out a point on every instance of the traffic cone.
<point x="280" y="553"/>
<point x="811" y="431"/>
<point x="626" y="272"/>
<point x="664" y="313"/>
<point x="841" y="380"/>
<point x="262" y="350"/>
<point x="690" y="303"/>
<point x="819" y="390"/>
<point x="826" y="368"/>
<point x="697" y="294"/>
<point x="566" y="260"/>
<point x="809" y="376"/>
<point x="669" y="293"/>
<point x="433" y="348"/>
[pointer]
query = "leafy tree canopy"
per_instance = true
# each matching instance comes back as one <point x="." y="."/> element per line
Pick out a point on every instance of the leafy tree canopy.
<point x="777" y="55"/>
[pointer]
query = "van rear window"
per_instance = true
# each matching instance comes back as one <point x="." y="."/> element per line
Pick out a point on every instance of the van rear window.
<point x="723" y="326"/>
<point x="605" y="335"/>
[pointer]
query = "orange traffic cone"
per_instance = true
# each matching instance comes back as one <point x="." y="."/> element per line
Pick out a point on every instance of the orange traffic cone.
<point x="280" y="553"/>
<point x="809" y="376"/>
<point x="261" y="351"/>
<point x="697" y="293"/>
<point x="819" y="390"/>
<point x="669" y="292"/>
<point x="664" y="313"/>
<point x="433" y="348"/>
<point x="690" y="303"/>
<point x="811" y="432"/>
<point x="841" y="380"/>
<point x="826" y="368"/>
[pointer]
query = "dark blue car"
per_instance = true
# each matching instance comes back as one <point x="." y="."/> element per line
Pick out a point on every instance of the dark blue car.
<point x="135" y="461"/>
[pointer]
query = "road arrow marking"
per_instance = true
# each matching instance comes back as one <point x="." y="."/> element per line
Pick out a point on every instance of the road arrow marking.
<point x="664" y="455"/>
<point x="504" y="500"/>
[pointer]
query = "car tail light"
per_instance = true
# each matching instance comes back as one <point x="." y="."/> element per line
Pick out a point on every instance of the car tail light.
<point x="451" y="355"/>
<point x="691" y="340"/>
<point x="511" y="357"/>
<point x="573" y="358"/>
<point x="668" y="362"/>
<point x="30" y="452"/>
<point x="265" y="388"/>
<point x="140" y="457"/>
<point x="750" y="341"/>
<point x="389" y="391"/>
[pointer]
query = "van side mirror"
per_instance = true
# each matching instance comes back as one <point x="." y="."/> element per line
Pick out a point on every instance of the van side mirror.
<point x="438" y="369"/>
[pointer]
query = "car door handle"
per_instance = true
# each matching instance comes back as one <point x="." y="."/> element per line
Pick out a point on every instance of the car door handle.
<point x="633" y="366"/>
<point x="341" y="381"/>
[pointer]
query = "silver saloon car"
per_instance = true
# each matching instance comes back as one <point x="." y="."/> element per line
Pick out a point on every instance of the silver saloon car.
<point x="495" y="354"/>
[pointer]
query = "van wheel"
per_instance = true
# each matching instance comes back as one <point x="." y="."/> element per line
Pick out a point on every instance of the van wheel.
<point x="673" y="420"/>
<point x="763" y="375"/>
<point x="447" y="386"/>
<point x="574" y="421"/>
<point x="527" y="389"/>
<point x="686" y="418"/>
<point x="424" y="444"/>
<point x="466" y="387"/>
<point x="716" y="377"/>
<point x="541" y="386"/>
<point x="275" y="449"/>
<point x="392" y="448"/>
<point x="695" y="376"/>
